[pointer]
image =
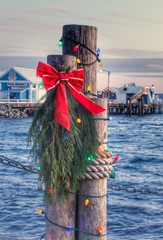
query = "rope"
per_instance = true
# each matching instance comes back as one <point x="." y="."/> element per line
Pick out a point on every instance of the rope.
<point x="100" y="167"/>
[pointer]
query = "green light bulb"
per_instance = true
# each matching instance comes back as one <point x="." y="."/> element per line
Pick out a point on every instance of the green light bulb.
<point x="60" y="43"/>
<point x="41" y="84"/>
<point x="38" y="168"/>
<point x="108" y="148"/>
<point x="112" y="175"/>
<point x="89" y="158"/>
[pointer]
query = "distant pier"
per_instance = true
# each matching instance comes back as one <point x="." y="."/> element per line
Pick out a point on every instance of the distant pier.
<point x="18" y="104"/>
<point x="134" y="109"/>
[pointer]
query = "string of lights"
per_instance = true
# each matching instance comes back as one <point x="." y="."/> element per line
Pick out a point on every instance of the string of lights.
<point x="87" y="196"/>
<point x="115" y="187"/>
<point x="105" y="119"/>
<point x="71" y="229"/>
<point x="77" y="44"/>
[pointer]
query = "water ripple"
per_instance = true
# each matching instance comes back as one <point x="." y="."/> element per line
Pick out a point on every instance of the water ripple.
<point x="131" y="216"/>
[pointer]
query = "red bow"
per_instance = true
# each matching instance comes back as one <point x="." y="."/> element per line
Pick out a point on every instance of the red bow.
<point x="74" y="81"/>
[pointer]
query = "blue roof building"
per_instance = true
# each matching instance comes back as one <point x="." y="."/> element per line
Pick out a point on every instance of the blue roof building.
<point x="21" y="84"/>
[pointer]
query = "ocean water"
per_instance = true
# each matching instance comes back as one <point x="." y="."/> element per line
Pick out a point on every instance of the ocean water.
<point x="138" y="141"/>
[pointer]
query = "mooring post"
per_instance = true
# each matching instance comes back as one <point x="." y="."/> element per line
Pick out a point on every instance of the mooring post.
<point x="85" y="37"/>
<point x="92" y="216"/>
<point x="59" y="211"/>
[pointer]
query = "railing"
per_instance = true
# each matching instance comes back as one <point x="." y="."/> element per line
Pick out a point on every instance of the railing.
<point x="137" y="95"/>
<point x="158" y="101"/>
<point x="17" y="101"/>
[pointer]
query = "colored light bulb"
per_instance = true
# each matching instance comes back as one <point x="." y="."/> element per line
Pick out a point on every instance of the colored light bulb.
<point x="78" y="120"/>
<point x="70" y="228"/>
<point x="116" y="159"/>
<point x="75" y="48"/>
<point x="108" y="148"/>
<point x="108" y="199"/>
<point x="98" y="51"/>
<point x="112" y="175"/>
<point x="100" y="148"/>
<point x="39" y="210"/>
<point x="89" y="88"/>
<point x="100" y="229"/>
<point x="100" y="64"/>
<point x="38" y="168"/>
<point x="89" y="158"/>
<point x="41" y="84"/>
<point x="86" y="202"/>
<point x="78" y="60"/>
<point x="50" y="190"/>
<point x="60" y="43"/>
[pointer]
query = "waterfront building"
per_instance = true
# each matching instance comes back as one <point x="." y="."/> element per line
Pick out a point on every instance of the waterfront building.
<point x="129" y="92"/>
<point x="132" y="99"/>
<point x="21" y="84"/>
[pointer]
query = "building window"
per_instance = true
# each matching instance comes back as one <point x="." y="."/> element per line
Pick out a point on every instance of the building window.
<point x="12" y="75"/>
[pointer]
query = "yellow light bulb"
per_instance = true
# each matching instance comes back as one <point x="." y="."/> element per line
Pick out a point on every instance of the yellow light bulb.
<point x="78" y="60"/>
<point x="100" y="64"/>
<point x="39" y="210"/>
<point x="78" y="120"/>
<point x="100" y="148"/>
<point x="89" y="88"/>
<point x="86" y="202"/>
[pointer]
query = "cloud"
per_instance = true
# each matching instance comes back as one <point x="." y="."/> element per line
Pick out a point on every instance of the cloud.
<point x="123" y="65"/>
<point x="133" y="53"/>
<point x="131" y="19"/>
<point x="144" y="75"/>
<point x="57" y="9"/>
<point x="156" y="66"/>
<point x="26" y="26"/>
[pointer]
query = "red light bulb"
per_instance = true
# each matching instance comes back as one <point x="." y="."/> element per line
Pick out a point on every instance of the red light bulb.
<point x="116" y="159"/>
<point x="50" y="191"/>
<point x="76" y="47"/>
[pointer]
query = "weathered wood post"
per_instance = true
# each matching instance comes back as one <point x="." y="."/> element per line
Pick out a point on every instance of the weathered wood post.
<point x="86" y="35"/>
<point x="60" y="212"/>
<point x="94" y="215"/>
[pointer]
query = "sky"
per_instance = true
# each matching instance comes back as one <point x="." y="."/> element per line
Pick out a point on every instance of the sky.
<point x="127" y="29"/>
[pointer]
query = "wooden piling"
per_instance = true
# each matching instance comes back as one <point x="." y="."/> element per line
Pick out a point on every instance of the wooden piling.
<point x="86" y="35"/>
<point x="62" y="213"/>
<point x="94" y="215"/>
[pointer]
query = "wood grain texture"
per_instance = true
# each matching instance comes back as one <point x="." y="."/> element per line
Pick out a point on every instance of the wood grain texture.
<point x="92" y="216"/>
<point x="62" y="62"/>
<point x="60" y="212"/>
<point x="102" y="125"/>
<point x="95" y="214"/>
<point x="86" y="35"/>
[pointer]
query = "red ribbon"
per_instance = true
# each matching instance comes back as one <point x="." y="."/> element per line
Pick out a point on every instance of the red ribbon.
<point x="74" y="81"/>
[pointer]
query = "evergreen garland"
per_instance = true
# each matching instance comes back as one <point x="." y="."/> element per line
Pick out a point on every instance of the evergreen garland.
<point x="62" y="155"/>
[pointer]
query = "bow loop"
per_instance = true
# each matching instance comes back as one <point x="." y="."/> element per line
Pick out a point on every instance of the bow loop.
<point x="74" y="80"/>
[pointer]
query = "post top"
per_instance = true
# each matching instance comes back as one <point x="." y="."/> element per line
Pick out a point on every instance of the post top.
<point x="61" y="55"/>
<point x="78" y="25"/>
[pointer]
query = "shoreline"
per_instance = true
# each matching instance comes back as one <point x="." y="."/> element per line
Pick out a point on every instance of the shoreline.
<point x="7" y="111"/>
